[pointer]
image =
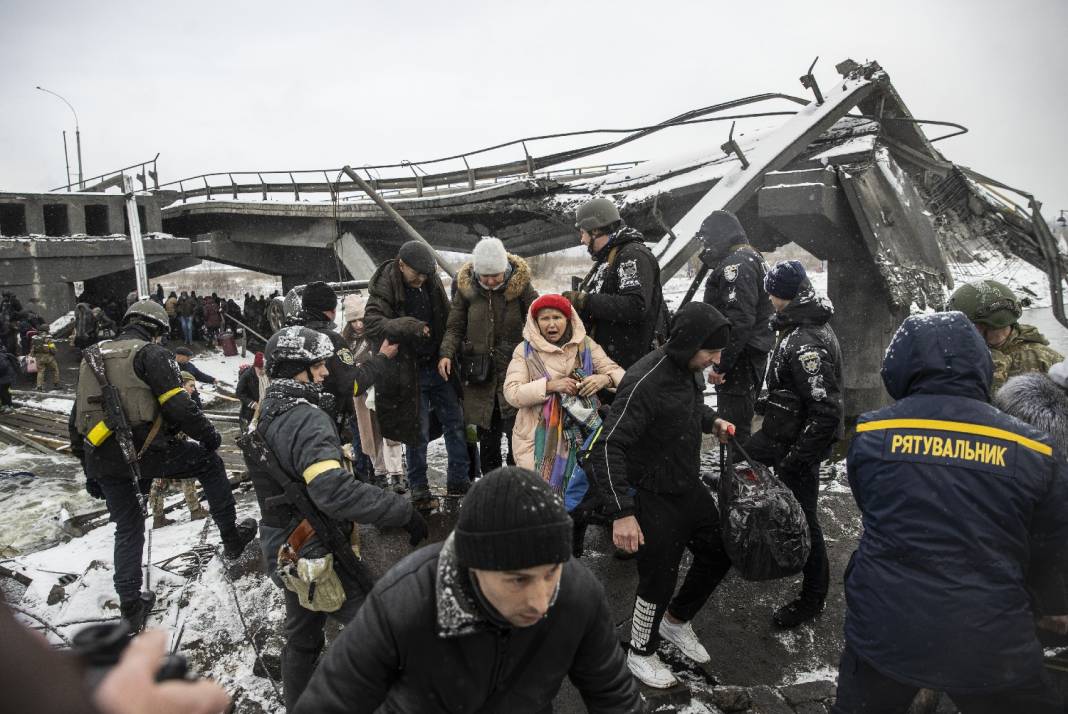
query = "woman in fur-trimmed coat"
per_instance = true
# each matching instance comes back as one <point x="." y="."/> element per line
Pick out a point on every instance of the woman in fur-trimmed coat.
<point x="489" y="310"/>
<point x="1041" y="400"/>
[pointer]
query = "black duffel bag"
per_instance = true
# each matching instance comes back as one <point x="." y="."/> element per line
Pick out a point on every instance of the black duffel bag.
<point x="764" y="529"/>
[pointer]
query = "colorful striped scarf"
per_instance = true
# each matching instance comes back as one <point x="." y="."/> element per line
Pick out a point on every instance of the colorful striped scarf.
<point x="560" y="434"/>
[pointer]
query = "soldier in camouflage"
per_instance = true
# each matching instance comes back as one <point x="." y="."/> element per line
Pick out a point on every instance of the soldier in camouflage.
<point x="160" y="486"/>
<point x="43" y="351"/>
<point x="1015" y="348"/>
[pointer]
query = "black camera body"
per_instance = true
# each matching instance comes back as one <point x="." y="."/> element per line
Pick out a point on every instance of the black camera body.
<point x="99" y="648"/>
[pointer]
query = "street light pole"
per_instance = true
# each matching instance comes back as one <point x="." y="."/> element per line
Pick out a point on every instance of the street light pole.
<point x="77" y="135"/>
<point x="66" y="159"/>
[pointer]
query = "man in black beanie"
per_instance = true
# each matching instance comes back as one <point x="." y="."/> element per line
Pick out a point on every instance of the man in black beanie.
<point x="650" y="446"/>
<point x="491" y="620"/>
<point x="802" y="416"/>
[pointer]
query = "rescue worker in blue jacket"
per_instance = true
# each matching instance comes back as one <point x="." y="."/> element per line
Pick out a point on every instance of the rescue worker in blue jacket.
<point x="965" y="513"/>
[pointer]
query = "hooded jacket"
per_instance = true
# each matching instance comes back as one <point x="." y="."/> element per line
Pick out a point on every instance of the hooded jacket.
<point x="624" y="304"/>
<point x="528" y="394"/>
<point x="487" y="322"/>
<point x="964" y="509"/>
<point x="651" y="439"/>
<point x="808" y="362"/>
<point x="423" y="642"/>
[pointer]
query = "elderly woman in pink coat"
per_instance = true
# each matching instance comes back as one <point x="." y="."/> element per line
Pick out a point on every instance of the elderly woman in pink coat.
<point x="553" y="381"/>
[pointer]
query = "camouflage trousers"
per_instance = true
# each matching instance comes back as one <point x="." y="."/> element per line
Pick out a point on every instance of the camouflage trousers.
<point x="46" y="364"/>
<point x="160" y="487"/>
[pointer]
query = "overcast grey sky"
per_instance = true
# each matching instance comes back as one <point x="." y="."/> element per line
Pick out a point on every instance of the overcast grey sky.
<point x="216" y="86"/>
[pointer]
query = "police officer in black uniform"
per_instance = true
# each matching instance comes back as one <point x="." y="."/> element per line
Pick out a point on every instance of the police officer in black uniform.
<point x="295" y="423"/>
<point x="620" y="300"/>
<point x="157" y="409"/>
<point x="736" y="288"/>
<point x="802" y="417"/>
<point x="318" y="307"/>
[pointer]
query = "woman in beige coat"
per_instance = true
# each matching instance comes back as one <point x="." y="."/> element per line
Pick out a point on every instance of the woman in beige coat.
<point x="541" y="383"/>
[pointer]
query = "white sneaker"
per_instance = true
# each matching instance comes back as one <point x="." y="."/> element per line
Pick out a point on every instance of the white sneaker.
<point x="683" y="637"/>
<point x="650" y="671"/>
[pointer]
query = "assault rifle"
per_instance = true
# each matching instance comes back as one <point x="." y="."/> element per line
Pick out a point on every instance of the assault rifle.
<point x="116" y="422"/>
<point x="333" y="537"/>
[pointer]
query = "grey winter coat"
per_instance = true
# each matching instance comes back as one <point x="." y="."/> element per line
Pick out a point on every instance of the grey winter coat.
<point x="423" y="642"/>
<point x="1038" y="400"/>
<point x="487" y="322"/>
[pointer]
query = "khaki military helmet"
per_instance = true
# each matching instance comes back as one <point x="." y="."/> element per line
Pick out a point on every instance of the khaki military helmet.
<point x="596" y="213"/>
<point x="150" y="314"/>
<point x="987" y="302"/>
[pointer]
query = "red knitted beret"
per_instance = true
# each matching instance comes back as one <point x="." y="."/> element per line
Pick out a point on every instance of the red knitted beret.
<point x="557" y="302"/>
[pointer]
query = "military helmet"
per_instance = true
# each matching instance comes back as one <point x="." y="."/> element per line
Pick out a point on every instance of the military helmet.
<point x="596" y="213"/>
<point x="987" y="302"/>
<point x="149" y="313"/>
<point x="296" y="344"/>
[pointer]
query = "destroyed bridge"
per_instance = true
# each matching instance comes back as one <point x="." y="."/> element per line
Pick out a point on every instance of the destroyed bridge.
<point x="848" y="174"/>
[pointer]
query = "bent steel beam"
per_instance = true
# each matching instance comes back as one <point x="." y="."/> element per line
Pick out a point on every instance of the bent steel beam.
<point x="770" y="154"/>
<point x="398" y="218"/>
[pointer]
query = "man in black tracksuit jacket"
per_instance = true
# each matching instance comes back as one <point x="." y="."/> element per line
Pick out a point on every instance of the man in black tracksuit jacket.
<point x="489" y="621"/>
<point x="305" y="441"/>
<point x="965" y="533"/>
<point x="620" y="299"/>
<point x="650" y="445"/>
<point x="806" y="375"/>
<point x="735" y="287"/>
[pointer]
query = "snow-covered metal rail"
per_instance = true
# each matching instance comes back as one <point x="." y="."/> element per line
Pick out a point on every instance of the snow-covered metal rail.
<point x="772" y="153"/>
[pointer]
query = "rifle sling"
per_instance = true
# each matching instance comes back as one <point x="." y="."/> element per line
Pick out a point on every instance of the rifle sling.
<point x="298" y="498"/>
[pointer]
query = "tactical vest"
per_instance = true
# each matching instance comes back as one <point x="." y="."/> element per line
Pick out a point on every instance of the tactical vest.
<point x="138" y="402"/>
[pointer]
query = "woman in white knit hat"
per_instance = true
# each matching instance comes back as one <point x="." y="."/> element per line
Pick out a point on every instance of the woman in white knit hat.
<point x="385" y="455"/>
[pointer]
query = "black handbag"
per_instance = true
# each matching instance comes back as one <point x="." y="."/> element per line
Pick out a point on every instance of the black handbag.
<point x="783" y="416"/>
<point x="476" y="369"/>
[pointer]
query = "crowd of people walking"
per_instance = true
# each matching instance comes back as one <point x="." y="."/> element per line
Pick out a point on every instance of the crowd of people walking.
<point x="585" y="408"/>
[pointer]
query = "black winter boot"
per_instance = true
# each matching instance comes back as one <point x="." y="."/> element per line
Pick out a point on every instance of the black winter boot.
<point x="235" y="540"/>
<point x="135" y="612"/>
<point x="798" y="612"/>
